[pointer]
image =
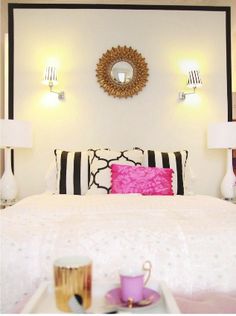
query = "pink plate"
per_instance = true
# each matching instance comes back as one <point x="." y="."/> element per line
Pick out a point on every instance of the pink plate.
<point x="113" y="297"/>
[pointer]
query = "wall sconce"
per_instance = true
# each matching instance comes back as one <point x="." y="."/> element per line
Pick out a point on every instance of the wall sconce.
<point x="50" y="79"/>
<point x="194" y="81"/>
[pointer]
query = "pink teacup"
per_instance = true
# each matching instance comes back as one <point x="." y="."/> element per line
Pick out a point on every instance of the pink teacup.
<point x="132" y="283"/>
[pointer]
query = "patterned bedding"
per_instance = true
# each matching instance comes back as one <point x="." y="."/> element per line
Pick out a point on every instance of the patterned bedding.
<point x="190" y="240"/>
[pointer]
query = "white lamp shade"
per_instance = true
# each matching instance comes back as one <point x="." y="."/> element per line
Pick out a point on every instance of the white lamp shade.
<point x="222" y="135"/>
<point x="15" y="134"/>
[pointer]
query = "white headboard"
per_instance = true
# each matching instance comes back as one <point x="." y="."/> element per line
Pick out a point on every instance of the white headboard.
<point x="169" y="37"/>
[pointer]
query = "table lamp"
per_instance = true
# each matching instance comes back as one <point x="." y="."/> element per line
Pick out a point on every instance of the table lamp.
<point x="13" y="134"/>
<point x="223" y="135"/>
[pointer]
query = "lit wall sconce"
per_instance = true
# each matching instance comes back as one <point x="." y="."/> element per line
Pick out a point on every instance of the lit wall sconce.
<point x="50" y="79"/>
<point x="194" y="81"/>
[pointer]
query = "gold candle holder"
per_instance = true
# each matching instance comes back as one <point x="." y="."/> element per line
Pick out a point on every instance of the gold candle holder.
<point x="72" y="275"/>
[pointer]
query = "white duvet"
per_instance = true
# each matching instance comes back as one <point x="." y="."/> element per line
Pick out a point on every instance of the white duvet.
<point x="190" y="240"/>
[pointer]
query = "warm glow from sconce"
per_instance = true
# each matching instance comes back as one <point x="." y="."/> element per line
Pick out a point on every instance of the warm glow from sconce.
<point x="193" y="100"/>
<point x="188" y="65"/>
<point x="50" y="100"/>
<point x="52" y="61"/>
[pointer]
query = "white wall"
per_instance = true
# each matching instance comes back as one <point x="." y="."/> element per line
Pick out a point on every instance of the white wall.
<point x="89" y="117"/>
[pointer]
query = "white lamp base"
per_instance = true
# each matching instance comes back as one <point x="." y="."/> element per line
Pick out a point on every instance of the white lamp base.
<point x="8" y="182"/>
<point x="229" y="180"/>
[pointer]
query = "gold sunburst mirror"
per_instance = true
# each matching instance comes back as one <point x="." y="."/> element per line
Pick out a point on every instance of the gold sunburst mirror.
<point x="122" y="72"/>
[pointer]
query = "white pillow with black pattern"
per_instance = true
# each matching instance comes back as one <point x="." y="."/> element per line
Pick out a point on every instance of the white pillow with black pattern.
<point x="100" y="167"/>
<point x="72" y="172"/>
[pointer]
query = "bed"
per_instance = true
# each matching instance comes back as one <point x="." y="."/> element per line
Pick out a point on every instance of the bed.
<point x="190" y="240"/>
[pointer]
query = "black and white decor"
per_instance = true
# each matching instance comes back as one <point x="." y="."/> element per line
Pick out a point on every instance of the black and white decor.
<point x="72" y="171"/>
<point x="100" y="164"/>
<point x="175" y="160"/>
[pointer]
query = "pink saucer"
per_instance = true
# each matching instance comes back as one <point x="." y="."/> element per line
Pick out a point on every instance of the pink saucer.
<point x="113" y="297"/>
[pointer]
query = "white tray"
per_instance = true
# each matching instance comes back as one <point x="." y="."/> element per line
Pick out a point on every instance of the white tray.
<point x="43" y="301"/>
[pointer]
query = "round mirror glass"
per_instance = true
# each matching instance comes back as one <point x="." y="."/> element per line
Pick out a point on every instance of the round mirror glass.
<point x="122" y="72"/>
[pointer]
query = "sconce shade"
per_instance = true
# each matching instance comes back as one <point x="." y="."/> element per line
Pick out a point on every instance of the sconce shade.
<point x="194" y="80"/>
<point x="15" y="134"/>
<point x="50" y="75"/>
<point x="50" y="79"/>
<point x="222" y="135"/>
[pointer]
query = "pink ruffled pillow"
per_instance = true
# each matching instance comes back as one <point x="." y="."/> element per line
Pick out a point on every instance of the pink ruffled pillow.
<point x="139" y="179"/>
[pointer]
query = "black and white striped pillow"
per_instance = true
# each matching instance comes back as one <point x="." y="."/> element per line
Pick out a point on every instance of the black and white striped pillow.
<point x="73" y="171"/>
<point x="175" y="160"/>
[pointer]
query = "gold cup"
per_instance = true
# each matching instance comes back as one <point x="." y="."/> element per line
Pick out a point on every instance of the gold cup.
<point x="72" y="275"/>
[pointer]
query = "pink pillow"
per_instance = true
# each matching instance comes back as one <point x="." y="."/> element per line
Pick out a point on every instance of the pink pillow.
<point x="139" y="179"/>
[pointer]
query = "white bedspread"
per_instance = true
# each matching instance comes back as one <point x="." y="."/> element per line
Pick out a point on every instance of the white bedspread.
<point x="190" y="240"/>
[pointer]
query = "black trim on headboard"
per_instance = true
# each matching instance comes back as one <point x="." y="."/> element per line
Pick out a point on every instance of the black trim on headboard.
<point x="115" y="6"/>
<point x="228" y="63"/>
<point x="11" y="63"/>
<point x="12" y="6"/>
